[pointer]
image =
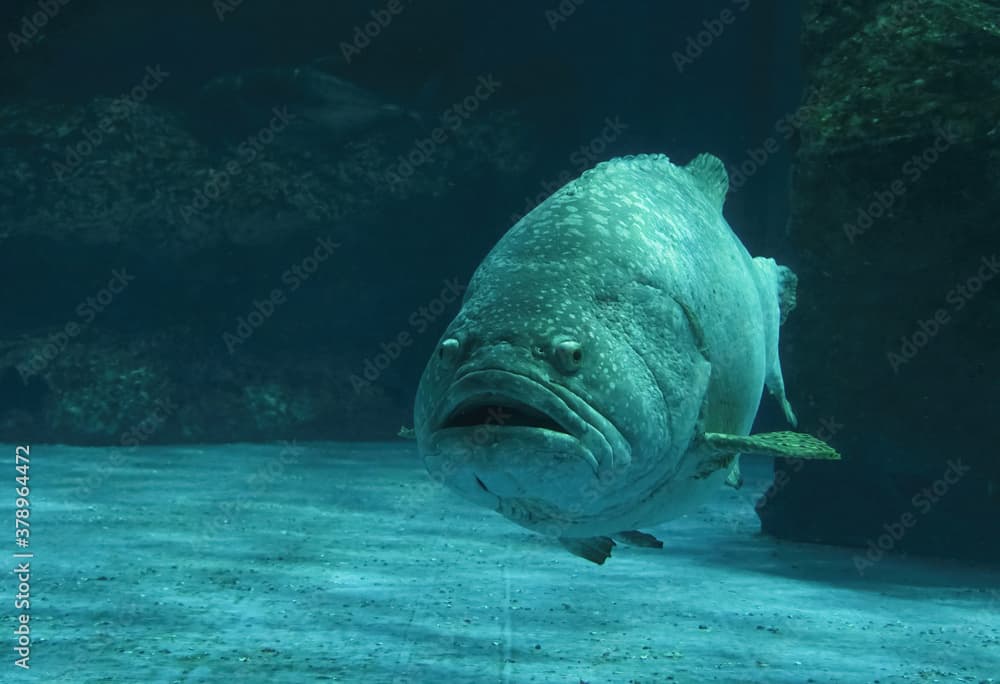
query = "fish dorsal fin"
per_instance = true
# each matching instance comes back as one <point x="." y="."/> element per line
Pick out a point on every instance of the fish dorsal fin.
<point x="711" y="175"/>
<point x="782" y="444"/>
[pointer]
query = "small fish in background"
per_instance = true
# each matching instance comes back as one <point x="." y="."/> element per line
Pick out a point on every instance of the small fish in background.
<point x="609" y="358"/>
<point x="329" y="108"/>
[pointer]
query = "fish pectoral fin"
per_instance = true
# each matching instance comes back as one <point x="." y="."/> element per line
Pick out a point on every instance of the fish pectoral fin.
<point x="735" y="478"/>
<point x="406" y="433"/>
<point x="636" y="538"/>
<point x="781" y="444"/>
<point x="595" y="549"/>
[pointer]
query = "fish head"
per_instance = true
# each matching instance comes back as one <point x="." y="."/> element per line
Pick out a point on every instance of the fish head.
<point x="537" y="406"/>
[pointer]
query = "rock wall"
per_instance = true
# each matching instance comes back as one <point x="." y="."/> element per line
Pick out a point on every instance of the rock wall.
<point x="893" y="351"/>
<point x="183" y="274"/>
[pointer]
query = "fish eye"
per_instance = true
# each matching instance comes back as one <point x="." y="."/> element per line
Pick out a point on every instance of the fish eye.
<point x="568" y="356"/>
<point x="448" y="350"/>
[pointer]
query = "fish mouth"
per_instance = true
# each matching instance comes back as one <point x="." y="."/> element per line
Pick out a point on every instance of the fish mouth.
<point x="500" y="411"/>
<point x="504" y="404"/>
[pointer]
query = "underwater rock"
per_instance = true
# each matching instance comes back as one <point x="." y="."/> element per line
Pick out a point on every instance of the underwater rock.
<point x="132" y="175"/>
<point x="172" y="386"/>
<point x="206" y="230"/>
<point x="896" y="190"/>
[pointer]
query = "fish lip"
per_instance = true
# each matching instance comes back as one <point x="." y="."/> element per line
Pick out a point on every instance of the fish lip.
<point x="617" y="448"/>
<point x="561" y="405"/>
<point x="502" y="400"/>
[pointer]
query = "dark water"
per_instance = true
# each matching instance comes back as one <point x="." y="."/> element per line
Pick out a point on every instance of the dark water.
<point x="233" y="230"/>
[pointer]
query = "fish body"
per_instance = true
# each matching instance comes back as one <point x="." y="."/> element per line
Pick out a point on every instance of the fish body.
<point x="330" y="108"/>
<point x="606" y="348"/>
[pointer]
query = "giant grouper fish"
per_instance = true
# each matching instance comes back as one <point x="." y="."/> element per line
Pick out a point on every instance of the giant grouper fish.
<point x="609" y="358"/>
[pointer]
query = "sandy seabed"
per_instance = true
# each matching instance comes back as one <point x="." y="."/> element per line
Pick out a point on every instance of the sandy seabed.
<point x="342" y="562"/>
